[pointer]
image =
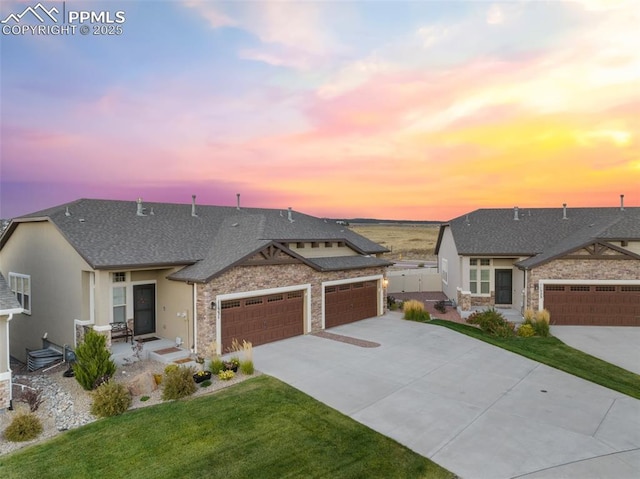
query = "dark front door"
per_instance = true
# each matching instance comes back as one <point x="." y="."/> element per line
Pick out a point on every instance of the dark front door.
<point x="144" y="309"/>
<point x="503" y="286"/>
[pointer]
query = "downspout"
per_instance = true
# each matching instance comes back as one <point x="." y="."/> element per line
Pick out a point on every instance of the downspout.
<point x="195" y="318"/>
<point x="525" y="294"/>
<point x="9" y="365"/>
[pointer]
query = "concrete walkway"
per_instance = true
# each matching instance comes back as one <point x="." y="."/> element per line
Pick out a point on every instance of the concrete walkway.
<point x="475" y="409"/>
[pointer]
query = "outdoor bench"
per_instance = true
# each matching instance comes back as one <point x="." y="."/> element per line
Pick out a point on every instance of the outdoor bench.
<point x="120" y="330"/>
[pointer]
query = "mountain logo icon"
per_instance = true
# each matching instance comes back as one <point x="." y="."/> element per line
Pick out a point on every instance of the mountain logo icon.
<point x="38" y="11"/>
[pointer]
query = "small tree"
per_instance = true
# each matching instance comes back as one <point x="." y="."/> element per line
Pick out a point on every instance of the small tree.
<point x="93" y="361"/>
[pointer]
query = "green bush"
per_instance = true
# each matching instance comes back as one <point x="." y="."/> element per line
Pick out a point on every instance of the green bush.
<point x="24" y="427"/>
<point x="492" y="322"/>
<point x="247" y="367"/>
<point x="206" y="384"/>
<point x="110" y="399"/>
<point x="526" y="331"/>
<point x="216" y="365"/>
<point x="93" y="361"/>
<point x="178" y="383"/>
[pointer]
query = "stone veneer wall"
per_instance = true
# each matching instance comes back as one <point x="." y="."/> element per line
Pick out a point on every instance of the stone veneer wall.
<point x="251" y="278"/>
<point x="5" y="386"/>
<point x="579" y="269"/>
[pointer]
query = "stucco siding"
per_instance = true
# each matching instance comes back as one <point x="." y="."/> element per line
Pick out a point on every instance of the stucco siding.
<point x="449" y="252"/>
<point x="55" y="268"/>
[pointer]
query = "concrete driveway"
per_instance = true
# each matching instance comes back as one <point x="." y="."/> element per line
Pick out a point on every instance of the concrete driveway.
<point x="618" y="345"/>
<point x="475" y="409"/>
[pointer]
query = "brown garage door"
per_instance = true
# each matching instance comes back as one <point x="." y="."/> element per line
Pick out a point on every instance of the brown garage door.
<point x="593" y="305"/>
<point x="262" y="319"/>
<point x="346" y="303"/>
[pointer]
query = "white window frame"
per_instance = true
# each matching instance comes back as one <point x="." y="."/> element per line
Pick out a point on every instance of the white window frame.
<point x="479" y="268"/>
<point x="17" y="283"/>
<point x="445" y="271"/>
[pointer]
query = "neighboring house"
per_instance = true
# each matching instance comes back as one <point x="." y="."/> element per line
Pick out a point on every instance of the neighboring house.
<point x="192" y="273"/>
<point x="9" y="306"/>
<point x="581" y="264"/>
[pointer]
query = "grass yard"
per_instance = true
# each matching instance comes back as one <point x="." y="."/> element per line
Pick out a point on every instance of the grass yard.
<point x="260" y="428"/>
<point x="553" y="352"/>
<point x="404" y="241"/>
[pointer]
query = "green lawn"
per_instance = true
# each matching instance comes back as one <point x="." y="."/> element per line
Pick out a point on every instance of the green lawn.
<point x="260" y="428"/>
<point x="553" y="352"/>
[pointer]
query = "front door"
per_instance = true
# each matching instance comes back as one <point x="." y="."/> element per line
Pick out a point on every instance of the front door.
<point x="144" y="309"/>
<point x="503" y="286"/>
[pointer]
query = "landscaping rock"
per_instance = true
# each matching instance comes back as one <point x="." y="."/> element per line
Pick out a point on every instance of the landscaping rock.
<point x="144" y="383"/>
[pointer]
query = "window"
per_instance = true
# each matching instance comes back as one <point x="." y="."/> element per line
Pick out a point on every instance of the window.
<point x="21" y="286"/>
<point x="445" y="271"/>
<point x="119" y="277"/>
<point x="480" y="275"/>
<point x="328" y="244"/>
<point x="119" y="304"/>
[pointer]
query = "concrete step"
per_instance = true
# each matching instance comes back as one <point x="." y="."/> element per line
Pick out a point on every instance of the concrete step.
<point x="172" y="354"/>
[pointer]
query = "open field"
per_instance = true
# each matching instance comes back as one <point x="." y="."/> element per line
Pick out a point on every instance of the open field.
<point x="404" y="241"/>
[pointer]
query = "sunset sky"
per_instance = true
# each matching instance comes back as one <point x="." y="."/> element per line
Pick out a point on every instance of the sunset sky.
<point x="419" y="110"/>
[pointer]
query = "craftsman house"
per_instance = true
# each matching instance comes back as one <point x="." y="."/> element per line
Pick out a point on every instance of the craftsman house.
<point x="581" y="264"/>
<point x="190" y="273"/>
<point x="9" y="306"/>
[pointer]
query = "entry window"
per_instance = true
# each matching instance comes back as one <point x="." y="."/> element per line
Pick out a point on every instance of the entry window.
<point x="20" y="284"/>
<point x="480" y="275"/>
<point x="119" y="304"/>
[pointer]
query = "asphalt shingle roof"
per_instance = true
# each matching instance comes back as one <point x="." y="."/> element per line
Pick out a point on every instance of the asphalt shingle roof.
<point x="8" y="300"/>
<point x="110" y="234"/>
<point x="541" y="233"/>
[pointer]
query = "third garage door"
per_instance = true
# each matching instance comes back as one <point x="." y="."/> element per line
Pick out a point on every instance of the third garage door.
<point x="346" y="303"/>
<point x="262" y="319"/>
<point x="593" y="305"/>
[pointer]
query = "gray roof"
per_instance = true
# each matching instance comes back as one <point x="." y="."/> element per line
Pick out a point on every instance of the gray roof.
<point x="109" y="234"/>
<point x="541" y="233"/>
<point x="8" y="300"/>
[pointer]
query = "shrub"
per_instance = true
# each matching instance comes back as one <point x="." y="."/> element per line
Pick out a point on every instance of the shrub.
<point x="529" y="316"/>
<point x="206" y="384"/>
<point x="24" y="427"/>
<point x="492" y="322"/>
<point x="440" y="306"/>
<point x="110" y="399"/>
<point x="93" y="361"/>
<point x="171" y="368"/>
<point x="216" y="365"/>
<point x="178" y="383"/>
<point x="526" y="331"/>
<point x="246" y="367"/>
<point x="144" y="398"/>
<point x="538" y="320"/>
<point x="33" y="397"/>
<point x="541" y="324"/>
<point x="414" y="311"/>
<point x="226" y="375"/>
<point x="391" y="303"/>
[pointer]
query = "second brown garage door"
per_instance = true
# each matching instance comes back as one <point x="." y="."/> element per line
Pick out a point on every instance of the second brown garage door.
<point x="346" y="303"/>
<point x="593" y="305"/>
<point x="262" y="319"/>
